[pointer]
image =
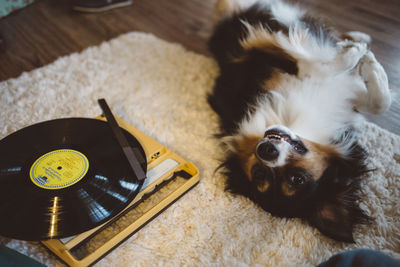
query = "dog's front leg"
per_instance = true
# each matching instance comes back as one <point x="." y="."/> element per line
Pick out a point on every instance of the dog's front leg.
<point x="376" y="98"/>
<point x="350" y="54"/>
<point x="347" y="56"/>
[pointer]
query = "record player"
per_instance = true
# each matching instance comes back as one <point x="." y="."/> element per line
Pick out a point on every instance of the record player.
<point x="167" y="178"/>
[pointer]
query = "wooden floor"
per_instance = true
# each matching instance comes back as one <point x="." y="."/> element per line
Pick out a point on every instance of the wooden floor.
<point x="42" y="32"/>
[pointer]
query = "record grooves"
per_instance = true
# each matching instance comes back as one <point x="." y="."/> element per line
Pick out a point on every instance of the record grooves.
<point x="62" y="177"/>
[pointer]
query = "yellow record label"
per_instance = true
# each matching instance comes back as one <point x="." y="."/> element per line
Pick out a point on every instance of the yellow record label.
<point x="59" y="169"/>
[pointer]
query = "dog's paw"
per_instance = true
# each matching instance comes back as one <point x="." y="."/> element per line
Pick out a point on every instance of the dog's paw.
<point x="350" y="54"/>
<point x="376" y="81"/>
<point x="356" y="36"/>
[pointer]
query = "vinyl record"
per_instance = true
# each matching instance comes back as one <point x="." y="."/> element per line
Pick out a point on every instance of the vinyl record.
<point x="62" y="177"/>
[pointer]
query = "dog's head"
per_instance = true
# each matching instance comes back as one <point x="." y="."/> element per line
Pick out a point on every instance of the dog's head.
<point x="290" y="176"/>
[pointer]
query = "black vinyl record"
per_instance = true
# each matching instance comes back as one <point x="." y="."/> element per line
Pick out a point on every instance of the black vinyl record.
<point x="62" y="177"/>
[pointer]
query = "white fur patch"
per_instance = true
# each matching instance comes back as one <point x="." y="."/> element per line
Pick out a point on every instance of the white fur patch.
<point x="315" y="56"/>
<point x="301" y="44"/>
<point x="286" y="14"/>
<point x="313" y="110"/>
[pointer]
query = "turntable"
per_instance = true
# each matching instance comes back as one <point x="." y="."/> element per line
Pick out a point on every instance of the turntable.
<point x="83" y="186"/>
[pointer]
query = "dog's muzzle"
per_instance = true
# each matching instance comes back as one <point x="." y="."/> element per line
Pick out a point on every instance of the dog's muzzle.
<point x="266" y="150"/>
<point x="277" y="141"/>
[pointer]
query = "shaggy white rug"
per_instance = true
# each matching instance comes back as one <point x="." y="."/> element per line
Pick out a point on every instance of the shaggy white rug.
<point x="161" y="89"/>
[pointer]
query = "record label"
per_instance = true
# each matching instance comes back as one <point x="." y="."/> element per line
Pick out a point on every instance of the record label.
<point x="59" y="169"/>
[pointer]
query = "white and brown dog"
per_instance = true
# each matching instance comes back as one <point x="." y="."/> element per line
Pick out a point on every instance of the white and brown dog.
<point x="289" y="97"/>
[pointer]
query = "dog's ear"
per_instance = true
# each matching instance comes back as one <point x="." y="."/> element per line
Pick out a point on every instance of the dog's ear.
<point x="336" y="218"/>
<point x="336" y="208"/>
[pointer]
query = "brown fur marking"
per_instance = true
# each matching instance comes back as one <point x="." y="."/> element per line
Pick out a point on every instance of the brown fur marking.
<point x="287" y="190"/>
<point x="273" y="82"/>
<point x="245" y="147"/>
<point x="316" y="160"/>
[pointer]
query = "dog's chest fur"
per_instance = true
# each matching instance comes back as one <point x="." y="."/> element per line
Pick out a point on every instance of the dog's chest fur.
<point x="312" y="109"/>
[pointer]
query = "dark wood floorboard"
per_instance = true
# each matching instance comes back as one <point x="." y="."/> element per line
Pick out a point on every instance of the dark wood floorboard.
<point x="40" y="33"/>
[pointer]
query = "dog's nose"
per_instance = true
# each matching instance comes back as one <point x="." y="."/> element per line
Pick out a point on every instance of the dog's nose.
<point x="267" y="151"/>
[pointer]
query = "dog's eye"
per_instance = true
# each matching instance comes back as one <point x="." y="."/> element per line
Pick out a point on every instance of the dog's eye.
<point x="299" y="147"/>
<point x="296" y="180"/>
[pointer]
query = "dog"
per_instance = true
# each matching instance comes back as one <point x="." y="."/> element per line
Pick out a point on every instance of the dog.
<point x="289" y="97"/>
